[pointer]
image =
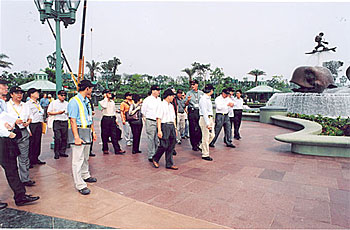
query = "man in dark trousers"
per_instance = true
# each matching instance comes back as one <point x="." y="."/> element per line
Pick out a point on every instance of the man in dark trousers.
<point x="109" y="123"/>
<point x="59" y="110"/>
<point x="166" y="130"/>
<point x="8" y="153"/>
<point x="37" y="116"/>
<point x="222" y="104"/>
<point x="192" y="101"/>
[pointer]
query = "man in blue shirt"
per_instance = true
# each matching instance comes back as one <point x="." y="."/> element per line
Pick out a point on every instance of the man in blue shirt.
<point x="8" y="160"/>
<point x="44" y="102"/>
<point x="80" y="116"/>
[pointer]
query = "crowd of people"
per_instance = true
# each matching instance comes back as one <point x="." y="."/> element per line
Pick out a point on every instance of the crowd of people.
<point x="166" y="122"/>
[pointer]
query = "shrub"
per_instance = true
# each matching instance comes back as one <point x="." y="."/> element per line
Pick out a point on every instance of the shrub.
<point x="330" y="126"/>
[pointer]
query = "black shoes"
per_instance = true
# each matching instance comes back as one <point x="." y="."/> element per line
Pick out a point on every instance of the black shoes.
<point x="29" y="183"/>
<point x="63" y="155"/>
<point x="39" y="162"/>
<point x="155" y="164"/>
<point x="138" y="151"/>
<point x="84" y="191"/>
<point x="90" y="180"/>
<point x="212" y="145"/>
<point x="120" y="152"/>
<point x="172" y="167"/>
<point x="3" y="205"/>
<point x="230" y="145"/>
<point x="56" y="157"/>
<point x="207" y="158"/>
<point x="174" y="152"/>
<point x="195" y="149"/>
<point x="150" y="160"/>
<point x="92" y="155"/>
<point x="26" y="199"/>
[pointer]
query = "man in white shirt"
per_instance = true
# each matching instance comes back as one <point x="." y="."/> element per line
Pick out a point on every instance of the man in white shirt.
<point x="37" y="116"/>
<point x="8" y="160"/>
<point x="58" y="109"/>
<point x="19" y="109"/>
<point x="166" y="124"/>
<point x="149" y="112"/>
<point x="237" y="110"/>
<point x="109" y="123"/>
<point x="206" y="121"/>
<point x="222" y="104"/>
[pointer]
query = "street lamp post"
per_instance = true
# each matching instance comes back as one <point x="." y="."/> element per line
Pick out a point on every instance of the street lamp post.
<point x="64" y="10"/>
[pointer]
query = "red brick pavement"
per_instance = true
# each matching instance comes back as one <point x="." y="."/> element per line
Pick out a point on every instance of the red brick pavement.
<point x="259" y="184"/>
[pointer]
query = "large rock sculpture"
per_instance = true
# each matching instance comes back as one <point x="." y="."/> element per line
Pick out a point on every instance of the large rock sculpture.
<point x="312" y="79"/>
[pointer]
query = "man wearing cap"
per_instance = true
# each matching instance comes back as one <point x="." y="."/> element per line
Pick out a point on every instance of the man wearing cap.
<point x="80" y="115"/>
<point x="206" y="121"/>
<point x="37" y="116"/>
<point x="222" y="104"/>
<point x="149" y="112"/>
<point x="109" y="123"/>
<point x="8" y="152"/>
<point x="19" y="109"/>
<point x="166" y="131"/>
<point x="192" y="101"/>
<point x="59" y="110"/>
<point x="124" y="108"/>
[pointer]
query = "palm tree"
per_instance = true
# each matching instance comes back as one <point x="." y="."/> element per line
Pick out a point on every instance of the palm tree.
<point x="115" y="62"/>
<point x="4" y="64"/>
<point x="93" y="67"/>
<point x="190" y="72"/>
<point x="256" y="73"/>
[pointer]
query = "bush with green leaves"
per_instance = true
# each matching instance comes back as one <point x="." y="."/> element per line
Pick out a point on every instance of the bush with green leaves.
<point x="330" y="126"/>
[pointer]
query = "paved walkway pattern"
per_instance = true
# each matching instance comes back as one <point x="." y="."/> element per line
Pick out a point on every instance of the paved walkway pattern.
<point x="260" y="184"/>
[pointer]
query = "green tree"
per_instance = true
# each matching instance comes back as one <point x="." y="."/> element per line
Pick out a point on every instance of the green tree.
<point x="51" y="74"/>
<point x="333" y="66"/>
<point x="190" y="72"/>
<point x="4" y="64"/>
<point x="216" y="77"/>
<point x="201" y="70"/>
<point x="256" y="73"/>
<point x="93" y="67"/>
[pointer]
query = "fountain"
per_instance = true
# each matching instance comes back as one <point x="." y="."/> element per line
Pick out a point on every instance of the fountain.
<point x="317" y="93"/>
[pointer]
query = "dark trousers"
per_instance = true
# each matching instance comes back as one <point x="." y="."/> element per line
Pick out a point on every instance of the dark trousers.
<point x="222" y="120"/>
<point x="60" y="130"/>
<point x="195" y="130"/>
<point x="237" y="119"/>
<point x="166" y="144"/>
<point x="35" y="142"/>
<point x="136" y="129"/>
<point x="109" y="130"/>
<point x="8" y="161"/>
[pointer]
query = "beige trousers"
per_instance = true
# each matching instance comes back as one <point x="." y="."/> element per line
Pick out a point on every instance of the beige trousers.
<point x="80" y="165"/>
<point x="207" y="136"/>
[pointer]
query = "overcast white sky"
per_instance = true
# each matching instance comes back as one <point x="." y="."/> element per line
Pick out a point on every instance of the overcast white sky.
<point x="165" y="37"/>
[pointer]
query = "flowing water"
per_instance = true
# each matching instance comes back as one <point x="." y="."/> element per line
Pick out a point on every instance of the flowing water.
<point x="330" y="103"/>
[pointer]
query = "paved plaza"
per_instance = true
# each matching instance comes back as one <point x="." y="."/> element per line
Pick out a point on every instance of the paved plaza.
<point x="259" y="184"/>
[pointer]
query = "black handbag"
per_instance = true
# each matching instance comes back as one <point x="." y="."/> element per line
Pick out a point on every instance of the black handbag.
<point x="134" y="117"/>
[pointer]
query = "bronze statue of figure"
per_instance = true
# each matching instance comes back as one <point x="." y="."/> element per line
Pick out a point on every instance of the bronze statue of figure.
<point x="320" y="44"/>
<point x="312" y="79"/>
